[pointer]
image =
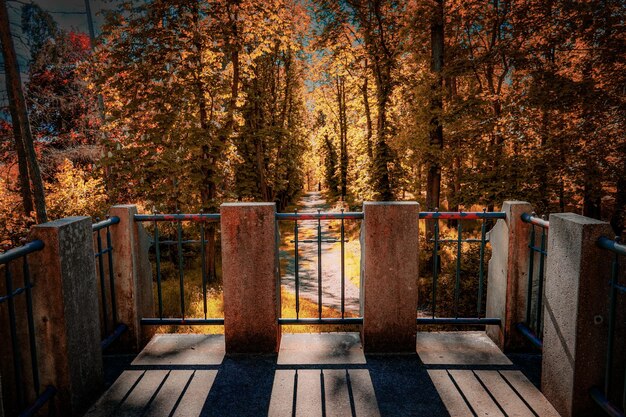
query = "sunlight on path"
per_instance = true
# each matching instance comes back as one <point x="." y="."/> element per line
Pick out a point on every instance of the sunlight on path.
<point x="331" y="260"/>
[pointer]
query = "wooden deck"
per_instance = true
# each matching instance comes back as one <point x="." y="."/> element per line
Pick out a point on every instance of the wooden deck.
<point x="457" y="374"/>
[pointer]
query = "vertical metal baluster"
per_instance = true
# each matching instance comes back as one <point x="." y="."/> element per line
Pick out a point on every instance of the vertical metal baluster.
<point x="539" y="327"/>
<point x="105" y="314"/>
<point x="319" y="264"/>
<point x="181" y="273"/>
<point x="297" y="264"/>
<point x="157" y="249"/>
<point x="481" y="270"/>
<point x="608" y="374"/>
<point x="203" y="262"/>
<point x="31" y="327"/>
<point x="531" y="272"/>
<point x="15" y="345"/>
<point x="111" y="277"/>
<point x="343" y="268"/>
<point x="435" y="263"/>
<point x="457" y="283"/>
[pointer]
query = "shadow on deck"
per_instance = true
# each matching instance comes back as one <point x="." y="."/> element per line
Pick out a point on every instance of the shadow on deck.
<point x="458" y="374"/>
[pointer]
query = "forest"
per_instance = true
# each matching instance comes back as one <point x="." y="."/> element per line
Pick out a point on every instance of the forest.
<point x="182" y="105"/>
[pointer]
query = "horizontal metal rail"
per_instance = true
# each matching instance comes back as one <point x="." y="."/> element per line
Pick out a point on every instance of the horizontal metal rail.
<point x="323" y="320"/>
<point x="530" y="335"/>
<point x="602" y="396"/>
<point x="612" y="245"/>
<point x="355" y="215"/>
<point x="105" y="223"/>
<point x="20" y="251"/>
<point x="459" y="321"/>
<point x="537" y="221"/>
<point x="41" y="400"/>
<point x="167" y="321"/>
<point x="462" y="215"/>
<point x="532" y="327"/>
<point x="199" y="217"/>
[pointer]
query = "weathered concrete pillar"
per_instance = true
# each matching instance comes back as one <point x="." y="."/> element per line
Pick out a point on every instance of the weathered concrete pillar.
<point x="133" y="277"/>
<point x="390" y="254"/>
<point x="575" y="313"/>
<point x="250" y="277"/>
<point x="65" y="308"/>
<point x="508" y="275"/>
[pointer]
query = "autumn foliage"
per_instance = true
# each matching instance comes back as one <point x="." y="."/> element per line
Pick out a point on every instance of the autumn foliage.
<point x="458" y="104"/>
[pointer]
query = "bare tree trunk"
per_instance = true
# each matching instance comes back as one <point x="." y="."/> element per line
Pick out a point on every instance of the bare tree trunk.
<point x="12" y="72"/>
<point x="22" y="160"/>
<point x="343" y="136"/>
<point x="368" y="114"/>
<point x="433" y="181"/>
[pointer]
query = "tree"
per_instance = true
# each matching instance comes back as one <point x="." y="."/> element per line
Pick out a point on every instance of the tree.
<point x="16" y="100"/>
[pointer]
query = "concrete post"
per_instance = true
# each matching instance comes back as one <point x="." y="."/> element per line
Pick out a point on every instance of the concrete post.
<point x="133" y="277"/>
<point x="508" y="275"/>
<point x="65" y="308"/>
<point x="250" y="277"/>
<point x="575" y="313"/>
<point x="390" y="257"/>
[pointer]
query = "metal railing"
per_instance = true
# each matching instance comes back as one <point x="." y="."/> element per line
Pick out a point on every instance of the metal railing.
<point x="23" y="391"/>
<point x="202" y="220"/>
<point x="603" y="396"/>
<point x="319" y="240"/>
<point x="532" y="327"/>
<point x="109" y="335"/>
<point x="459" y="217"/>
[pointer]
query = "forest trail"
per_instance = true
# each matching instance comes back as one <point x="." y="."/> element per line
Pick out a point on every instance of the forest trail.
<point x="308" y="261"/>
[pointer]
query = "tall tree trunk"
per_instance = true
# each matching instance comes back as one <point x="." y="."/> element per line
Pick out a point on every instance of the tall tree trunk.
<point x="368" y="114"/>
<point x="343" y="136"/>
<point x="12" y="72"/>
<point x="22" y="160"/>
<point x="433" y="181"/>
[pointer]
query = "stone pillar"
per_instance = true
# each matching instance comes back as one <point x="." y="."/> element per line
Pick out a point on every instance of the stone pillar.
<point x="508" y="275"/>
<point x="133" y="277"/>
<point x="65" y="309"/>
<point x="390" y="254"/>
<point x="575" y="313"/>
<point x="250" y="277"/>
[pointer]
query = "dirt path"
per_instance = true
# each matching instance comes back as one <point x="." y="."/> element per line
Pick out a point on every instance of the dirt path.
<point x="308" y="261"/>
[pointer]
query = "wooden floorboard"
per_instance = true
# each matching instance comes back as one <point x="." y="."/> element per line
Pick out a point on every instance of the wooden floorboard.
<point x="504" y="395"/>
<point x="530" y="393"/>
<point x="450" y="395"/>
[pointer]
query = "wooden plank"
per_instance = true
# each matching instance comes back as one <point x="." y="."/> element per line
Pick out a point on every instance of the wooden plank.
<point x="505" y="396"/>
<point x="362" y="389"/>
<point x="533" y="397"/>
<point x="309" y="393"/>
<point x="336" y="395"/>
<point x="111" y="399"/>
<point x="452" y="399"/>
<point x="192" y="402"/>
<point x="168" y="395"/>
<point x="139" y="398"/>
<point x="477" y="397"/>
<point x="281" y="401"/>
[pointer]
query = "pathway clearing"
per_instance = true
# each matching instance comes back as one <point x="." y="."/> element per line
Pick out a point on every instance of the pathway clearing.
<point x="308" y="261"/>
